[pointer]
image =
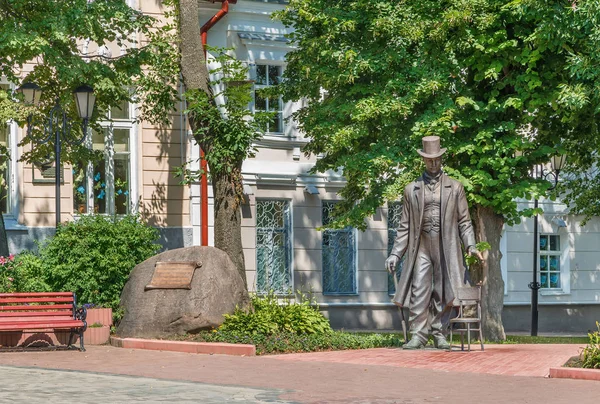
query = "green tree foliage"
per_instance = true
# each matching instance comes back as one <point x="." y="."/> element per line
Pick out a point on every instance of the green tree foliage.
<point x="67" y="43"/>
<point x="230" y="128"/>
<point x="505" y="84"/>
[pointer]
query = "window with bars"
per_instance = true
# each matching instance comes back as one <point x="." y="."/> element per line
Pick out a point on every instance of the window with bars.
<point x="273" y="246"/>
<point x="549" y="261"/>
<point x="339" y="257"/>
<point x="266" y="76"/>
<point x="393" y="222"/>
<point x="104" y="186"/>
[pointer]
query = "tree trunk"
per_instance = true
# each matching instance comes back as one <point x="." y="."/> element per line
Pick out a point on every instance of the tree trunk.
<point x="488" y="227"/>
<point x="192" y="59"/>
<point x="228" y="219"/>
<point x="226" y="186"/>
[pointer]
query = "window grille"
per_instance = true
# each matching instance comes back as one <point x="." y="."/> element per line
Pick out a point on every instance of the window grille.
<point x="273" y="246"/>
<point x="394" y="212"/>
<point x="339" y="257"/>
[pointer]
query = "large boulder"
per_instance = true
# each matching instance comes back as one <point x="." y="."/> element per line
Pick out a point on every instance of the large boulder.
<point x="216" y="289"/>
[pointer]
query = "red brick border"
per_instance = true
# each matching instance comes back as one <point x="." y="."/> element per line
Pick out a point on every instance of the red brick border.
<point x="575" y="373"/>
<point x="184" y="346"/>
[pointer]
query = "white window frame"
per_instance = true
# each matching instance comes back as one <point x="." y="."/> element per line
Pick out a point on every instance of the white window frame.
<point x="565" y="270"/>
<point x="109" y="153"/>
<point x="10" y="218"/>
<point x="282" y="130"/>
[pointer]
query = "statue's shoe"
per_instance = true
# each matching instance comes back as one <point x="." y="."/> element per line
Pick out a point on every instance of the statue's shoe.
<point x="413" y="344"/>
<point x="441" y="343"/>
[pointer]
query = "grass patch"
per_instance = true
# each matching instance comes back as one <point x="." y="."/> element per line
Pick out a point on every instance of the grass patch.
<point x="528" y="339"/>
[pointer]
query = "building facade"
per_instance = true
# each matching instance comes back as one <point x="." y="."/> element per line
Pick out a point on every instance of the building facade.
<point x="284" y="252"/>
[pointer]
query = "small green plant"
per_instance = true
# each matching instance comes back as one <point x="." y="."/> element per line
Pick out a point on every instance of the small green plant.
<point x="590" y="356"/>
<point x="270" y="316"/>
<point x="96" y="325"/>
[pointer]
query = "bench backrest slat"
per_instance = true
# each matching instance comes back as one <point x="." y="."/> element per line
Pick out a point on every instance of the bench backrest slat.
<point x="36" y="294"/>
<point x="36" y="300"/>
<point x="38" y="308"/>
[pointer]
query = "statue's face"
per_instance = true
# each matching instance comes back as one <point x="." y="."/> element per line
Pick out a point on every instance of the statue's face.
<point x="433" y="166"/>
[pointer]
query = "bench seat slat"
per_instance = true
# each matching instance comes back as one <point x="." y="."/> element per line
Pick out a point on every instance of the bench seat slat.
<point x="36" y="300"/>
<point x="41" y="325"/>
<point x="40" y="307"/>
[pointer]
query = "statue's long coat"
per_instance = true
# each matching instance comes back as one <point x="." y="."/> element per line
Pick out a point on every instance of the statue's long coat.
<point x="455" y="225"/>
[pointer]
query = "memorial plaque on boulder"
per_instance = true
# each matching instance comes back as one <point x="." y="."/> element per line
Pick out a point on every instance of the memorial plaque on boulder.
<point x="171" y="293"/>
<point x="173" y="275"/>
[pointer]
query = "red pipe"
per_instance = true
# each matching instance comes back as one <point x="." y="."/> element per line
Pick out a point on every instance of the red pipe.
<point x="203" y="165"/>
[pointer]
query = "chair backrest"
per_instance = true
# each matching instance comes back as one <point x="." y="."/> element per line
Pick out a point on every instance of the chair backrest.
<point x="472" y="294"/>
<point x="469" y="296"/>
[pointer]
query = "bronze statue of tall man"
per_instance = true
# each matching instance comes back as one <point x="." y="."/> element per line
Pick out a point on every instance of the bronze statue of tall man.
<point x="435" y="226"/>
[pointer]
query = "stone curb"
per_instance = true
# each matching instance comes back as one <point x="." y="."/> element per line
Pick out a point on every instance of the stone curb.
<point x="575" y="373"/>
<point x="184" y="346"/>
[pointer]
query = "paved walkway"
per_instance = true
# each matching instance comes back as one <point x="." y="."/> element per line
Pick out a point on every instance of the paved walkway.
<point x="378" y="376"/>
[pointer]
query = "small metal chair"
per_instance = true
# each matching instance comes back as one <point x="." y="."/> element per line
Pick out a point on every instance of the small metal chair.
<point x="466" y="321"/>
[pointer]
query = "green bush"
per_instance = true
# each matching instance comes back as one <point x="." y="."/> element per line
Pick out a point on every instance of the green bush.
<point x="270" y="316"/>
<point x="590" y="355"/>
<point x="94" y="255"/>
<point x="28" y="273"/>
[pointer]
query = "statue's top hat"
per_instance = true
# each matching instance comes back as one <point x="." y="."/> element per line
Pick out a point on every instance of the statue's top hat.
<point x="431" y="147"/>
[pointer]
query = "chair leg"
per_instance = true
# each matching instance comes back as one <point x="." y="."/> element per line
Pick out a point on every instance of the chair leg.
<point x="469" y="336"/>
<point x="462" y="339"/>
<point x="451" y="337"/>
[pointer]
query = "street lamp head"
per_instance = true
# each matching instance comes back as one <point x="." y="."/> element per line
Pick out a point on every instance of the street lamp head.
<point x="558" y="162"/>
<point x="85" y="97"/>
<point x="32" y="93"/>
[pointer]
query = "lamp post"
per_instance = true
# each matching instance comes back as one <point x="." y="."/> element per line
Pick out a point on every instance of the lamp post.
<point x="557" y="163"/>
<point x="58" y="126"/>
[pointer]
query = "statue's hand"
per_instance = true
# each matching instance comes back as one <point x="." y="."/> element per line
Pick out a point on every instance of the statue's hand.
<point x="474" y="251"/>
<point x="391" y="263"/>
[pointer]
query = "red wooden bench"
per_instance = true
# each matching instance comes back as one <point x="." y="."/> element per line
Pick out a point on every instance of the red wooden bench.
<point x="30" y="312"/>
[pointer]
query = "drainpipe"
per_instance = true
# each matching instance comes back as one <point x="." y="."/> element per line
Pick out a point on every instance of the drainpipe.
<point x="203" y="165"/>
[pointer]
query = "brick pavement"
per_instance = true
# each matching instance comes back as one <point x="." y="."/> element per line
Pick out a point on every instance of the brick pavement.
<point x="510" y="360"/>
<point x="372" y="376"/>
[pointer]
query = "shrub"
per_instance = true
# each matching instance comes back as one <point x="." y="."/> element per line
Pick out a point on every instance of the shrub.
<point x="287" y="342"/>
<point x="269" y="317"/>
<point x="28" y="274"/>
<point x="94" y="255"/>
<point x="590" y="355"/>
<point x="7" y="274"/>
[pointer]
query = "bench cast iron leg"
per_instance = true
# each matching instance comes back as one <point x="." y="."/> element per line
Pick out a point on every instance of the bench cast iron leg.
<point x="82" y="348"/>
<point x="70" y="340"/>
